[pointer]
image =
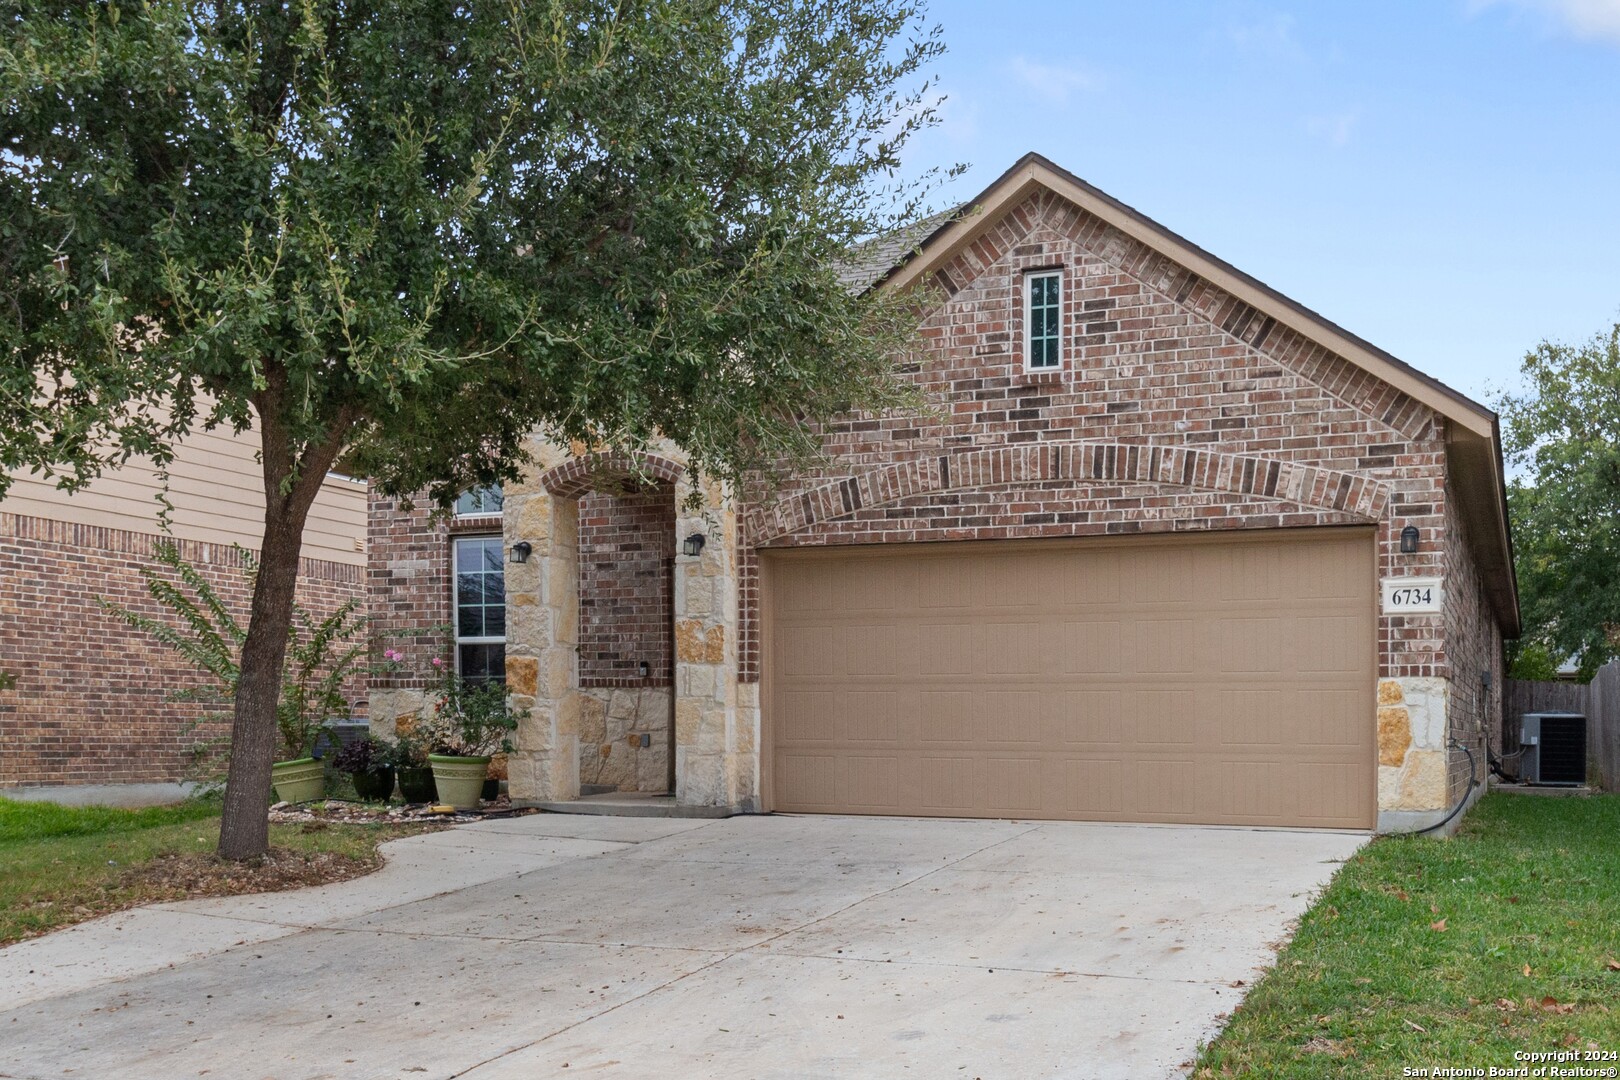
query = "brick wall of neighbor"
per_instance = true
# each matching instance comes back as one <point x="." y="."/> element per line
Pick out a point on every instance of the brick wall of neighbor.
<point x="92" y="701"/>
<point x="1168" y="378"/>
<point x="626" y="542"/>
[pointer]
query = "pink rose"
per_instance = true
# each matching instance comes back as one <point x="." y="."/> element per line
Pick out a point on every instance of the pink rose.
<point x="438" y="662"/>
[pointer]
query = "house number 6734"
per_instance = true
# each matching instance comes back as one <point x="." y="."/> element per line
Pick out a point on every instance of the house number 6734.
<point x="1412" y="596"/>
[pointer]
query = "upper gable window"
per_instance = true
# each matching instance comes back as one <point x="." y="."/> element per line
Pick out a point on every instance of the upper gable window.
<point x="1043" y="322"/>
<point x="479" y="501"/>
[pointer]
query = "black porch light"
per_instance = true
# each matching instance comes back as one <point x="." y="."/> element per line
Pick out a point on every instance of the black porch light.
<point x="521" y="550"/>
<point x="1409" y="540"/>
<point x="693" y="545"/>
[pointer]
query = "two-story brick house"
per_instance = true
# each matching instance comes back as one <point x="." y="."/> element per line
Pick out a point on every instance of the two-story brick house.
<point x="1167" y="546"/>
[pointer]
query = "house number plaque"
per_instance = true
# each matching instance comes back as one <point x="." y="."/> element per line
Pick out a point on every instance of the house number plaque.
<point x="1412" y="596"/>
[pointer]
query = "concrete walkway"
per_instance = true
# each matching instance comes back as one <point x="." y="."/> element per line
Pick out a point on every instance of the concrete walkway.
<point x="750" y="947"/>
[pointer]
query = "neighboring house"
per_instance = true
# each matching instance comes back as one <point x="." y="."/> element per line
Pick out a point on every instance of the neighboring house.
<point x="92" y="702"/>
<point x="1170" y="547"/>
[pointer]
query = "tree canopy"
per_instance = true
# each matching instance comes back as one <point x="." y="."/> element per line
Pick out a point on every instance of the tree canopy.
<point x="1562" y="430"/>
<point x="406" y="235"/>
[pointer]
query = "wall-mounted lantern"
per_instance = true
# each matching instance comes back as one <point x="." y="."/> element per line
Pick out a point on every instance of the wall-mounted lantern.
<point x="521" y="550"/>
<point x="1409" y="540"/>
<point x="693" y="545"/>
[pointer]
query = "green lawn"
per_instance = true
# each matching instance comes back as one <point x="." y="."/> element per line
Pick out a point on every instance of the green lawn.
<point x="1454" y="953"/>
<point x="64" y="864"/>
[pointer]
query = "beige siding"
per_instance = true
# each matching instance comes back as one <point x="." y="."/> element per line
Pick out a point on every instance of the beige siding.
<point x="216" y="488"/>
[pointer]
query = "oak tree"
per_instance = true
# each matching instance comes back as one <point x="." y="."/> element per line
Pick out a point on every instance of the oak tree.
<point x="402" y="235"/>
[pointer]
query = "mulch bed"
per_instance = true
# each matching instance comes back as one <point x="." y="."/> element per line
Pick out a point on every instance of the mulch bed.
<point x="336" y="811"/>
<point x="192" y="874"/>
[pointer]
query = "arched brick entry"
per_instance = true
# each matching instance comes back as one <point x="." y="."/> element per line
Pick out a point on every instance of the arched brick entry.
<point x="713" y="733"/>
<point x="593" y="472"/>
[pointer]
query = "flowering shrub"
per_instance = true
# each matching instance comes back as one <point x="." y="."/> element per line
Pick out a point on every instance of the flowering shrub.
<point x="466" y="719"/>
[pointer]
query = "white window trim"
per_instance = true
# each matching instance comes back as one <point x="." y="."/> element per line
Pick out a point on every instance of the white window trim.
<point x="460" y="516"/>
<point x="1027" y="285"/>
<point x="455" y="599"/>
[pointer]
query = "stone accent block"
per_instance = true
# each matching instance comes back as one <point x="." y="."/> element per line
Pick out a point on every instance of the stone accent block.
<point x="1394" y="735"/>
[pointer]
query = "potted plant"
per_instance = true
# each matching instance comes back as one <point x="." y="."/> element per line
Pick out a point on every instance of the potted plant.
<point x="370" y="765"/>
<point x="411" y="762"/>
<point x="468" y="723"/>
<point x="319" y="660"/>
<point x="298" y="777"/>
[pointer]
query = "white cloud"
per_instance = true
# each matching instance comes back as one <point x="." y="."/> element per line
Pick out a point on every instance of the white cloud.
<point x="1272" y="36"/>
<point x="1336" y="128"/>
<point x="1056" y="81"/>
<point x="1584" y="18"/>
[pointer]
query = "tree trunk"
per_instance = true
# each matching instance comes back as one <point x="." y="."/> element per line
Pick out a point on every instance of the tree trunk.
<point x="244" y="830"/>
<point x="292" y="479"/>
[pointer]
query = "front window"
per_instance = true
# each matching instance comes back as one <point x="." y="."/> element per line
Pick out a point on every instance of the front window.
<point x="478" y="501"/>
<point x="480" y="609"/>
<point x="1043" y="310"/>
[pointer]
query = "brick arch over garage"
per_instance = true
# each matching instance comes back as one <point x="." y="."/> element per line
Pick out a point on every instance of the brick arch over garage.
<point x="581" y="475"/>
<point x="1082" y="462"/>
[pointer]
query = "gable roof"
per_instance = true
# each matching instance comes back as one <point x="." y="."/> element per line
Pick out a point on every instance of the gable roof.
<point x="1473" y="439"/>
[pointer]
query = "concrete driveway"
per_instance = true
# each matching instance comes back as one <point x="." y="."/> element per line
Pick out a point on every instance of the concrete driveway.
<point x="753" y="947"/>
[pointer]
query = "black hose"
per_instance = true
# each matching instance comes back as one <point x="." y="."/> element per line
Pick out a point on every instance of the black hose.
<point x="1473" y="782"/>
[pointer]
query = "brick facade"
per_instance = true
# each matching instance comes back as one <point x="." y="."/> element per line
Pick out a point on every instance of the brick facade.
<point x="1177" y="408"/>
<point x="625" y="617"/>
<point x="92" y="704"/>
<point x="626" y="542"/>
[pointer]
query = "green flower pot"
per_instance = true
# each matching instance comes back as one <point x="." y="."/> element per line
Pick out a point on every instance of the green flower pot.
<point x="460" y="780"/>
<point x="298" y="781"/>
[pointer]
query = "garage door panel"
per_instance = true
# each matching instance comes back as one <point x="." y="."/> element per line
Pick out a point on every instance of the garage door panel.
<point x="1202" y="680"/>
<point x="1255" y="718"/>
<point x="1097" y="587"/>
<point x="1083" y="787"/>
<point x="1014" y="715"/>
<point x="952" y="717"/>
<point x="1013" y="648"/>
<point x="810" y="650"/>
<point x="1074" y="718"/>
<point x="948" y="648"/>
<point x="873" y="715"/>
<point x="1329" y="717"/>
<point x="1241" y="646"/>
<point x="1084" y="648"/>
<point x="1328" y="644"/>
<point x="950" y="785"/>
<point x="811" y="715"/>
<point x="1161" y="646"/>
<point x="1164" y="718"/>
<point x="871" y="650"/>
<point x="1164" y="788"/>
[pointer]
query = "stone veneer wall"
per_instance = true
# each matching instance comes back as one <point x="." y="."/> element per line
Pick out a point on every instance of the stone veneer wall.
<point x="94" y="699"/>
<point x="612" y="723"/>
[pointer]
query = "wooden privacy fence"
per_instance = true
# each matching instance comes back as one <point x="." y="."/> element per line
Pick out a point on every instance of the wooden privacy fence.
<point x="1598" y="701"/>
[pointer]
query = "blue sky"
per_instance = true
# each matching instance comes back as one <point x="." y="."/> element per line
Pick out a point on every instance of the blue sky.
<point x="1438" y="176"/>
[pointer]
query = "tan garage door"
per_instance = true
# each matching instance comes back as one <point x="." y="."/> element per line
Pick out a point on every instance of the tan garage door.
<point x="1212" y="680"/>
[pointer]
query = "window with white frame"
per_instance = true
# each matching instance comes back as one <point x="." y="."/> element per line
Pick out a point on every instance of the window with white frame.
<point x="1043" y="320"/>
<point x="479" y="501"/>
<point x="480" y="608"/>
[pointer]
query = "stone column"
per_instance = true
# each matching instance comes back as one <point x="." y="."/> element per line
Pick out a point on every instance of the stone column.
<point x="713" y="765"/>
<point x="542" y="636"/>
